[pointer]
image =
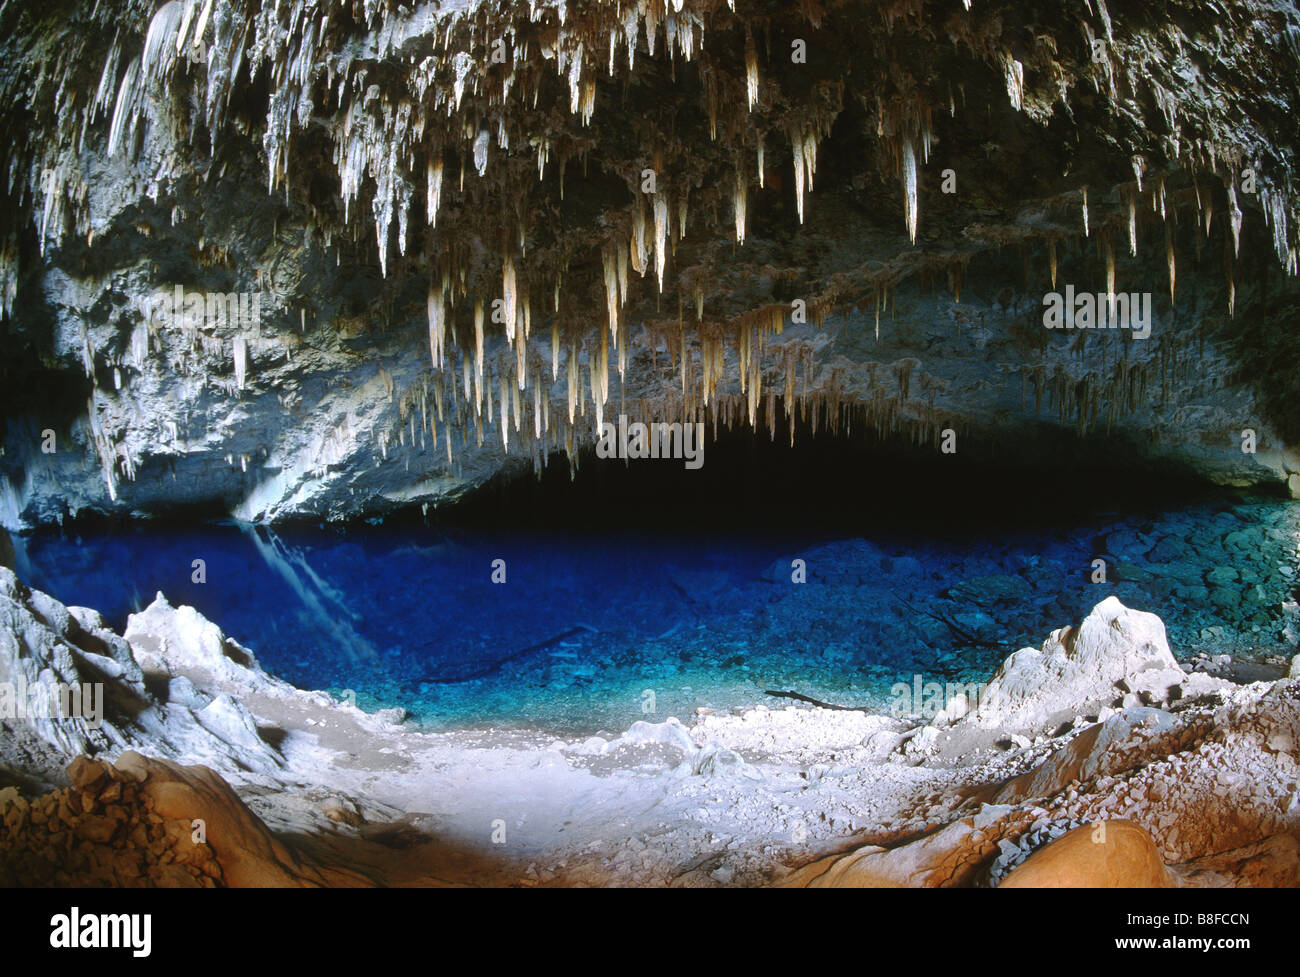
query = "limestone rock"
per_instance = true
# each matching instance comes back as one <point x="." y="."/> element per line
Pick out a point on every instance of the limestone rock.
<point x="951" y="856"/>
<point x="248" y="853"/>
<point x="1109" y="855"/>
<point x="1100" y="750"/>
<point x="1113" y="653"/>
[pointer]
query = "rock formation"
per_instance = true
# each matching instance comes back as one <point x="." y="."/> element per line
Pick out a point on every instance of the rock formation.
<point x="1196" y="789"/>
<point x="329" y="259"/>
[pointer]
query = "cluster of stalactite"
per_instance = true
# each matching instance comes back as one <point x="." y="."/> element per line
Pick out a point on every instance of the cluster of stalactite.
<point x="456" y="136"/>
<point x="1095" y="400"/>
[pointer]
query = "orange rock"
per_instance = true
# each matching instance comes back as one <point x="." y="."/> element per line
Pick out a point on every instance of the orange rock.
<point x="86" y="773"/>
<point x="1106" y="855"/>
<point x="246" y="851"/>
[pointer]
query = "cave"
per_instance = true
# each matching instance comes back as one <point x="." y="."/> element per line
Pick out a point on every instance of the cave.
<point x="657" y="443"/>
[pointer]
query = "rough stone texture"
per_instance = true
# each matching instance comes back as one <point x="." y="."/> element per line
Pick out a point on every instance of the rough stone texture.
<point x="952" y="856"/>
<point x="1119" y="855"/>
<point x="1115" y="654"/>
<point x="288" y="150"/>
<point x="247" y="852"/>
<point x="791" y="797"/>
<point x="146" y="703"/>
<point x="105" y="830"/>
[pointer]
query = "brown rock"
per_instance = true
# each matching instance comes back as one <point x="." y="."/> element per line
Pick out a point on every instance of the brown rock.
<point x="133" y="765"/>
<point x="249" y="855"/>
<point x="344" y="816"/>
<point x="949" y="857"/>
<point x="1107" y="855"/>
<point x="175" y="877"/>
<point x="85" y="773"/>
<point x="112" y="793"/>
<point x="96" y="828"/>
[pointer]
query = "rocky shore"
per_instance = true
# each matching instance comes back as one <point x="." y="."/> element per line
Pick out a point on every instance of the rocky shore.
<point x="1095" y="760"/>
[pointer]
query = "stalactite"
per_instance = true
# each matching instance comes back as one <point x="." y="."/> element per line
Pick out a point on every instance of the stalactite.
<point x="437" y="326"/>
<point x="738" y="202"/>
<point x="509" y="297"/>
<point x="637" y="246"/>
<point x="751" y="71"/>
<point x="1235" y="218"/>
<point x="610" y="265"/>
<point x="1130" y="200"/>
<point x="380" y="141"/>
<point x="1230" y="262"/>
<point x="910" y="212"/>
<point x="1108" y="246"/>
<point x="504" y="393"/>
<point x="798" y="173"/>
<point x="572" y="371"/>
<point x="478" y="355"/>
<point x="1169" y="258"/>
<point x="241" y="360"/>
<point x="433" y="190"/>
<point x="661" y="236"/>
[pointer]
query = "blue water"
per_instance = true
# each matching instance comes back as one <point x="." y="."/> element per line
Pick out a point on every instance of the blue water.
<point x="586" y="627"/>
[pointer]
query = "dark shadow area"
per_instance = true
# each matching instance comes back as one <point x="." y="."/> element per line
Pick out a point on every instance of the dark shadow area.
<point x="840" y="485"/>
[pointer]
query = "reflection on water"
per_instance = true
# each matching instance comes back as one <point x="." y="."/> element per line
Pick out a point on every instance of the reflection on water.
<point x="584" y="626"/>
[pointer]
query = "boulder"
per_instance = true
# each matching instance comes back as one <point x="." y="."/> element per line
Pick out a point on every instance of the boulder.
<point x="1115" y="652"/>
<point x="951" y="856"/>
<point x="1106" y="855"/>
<point x="249" y="855"/>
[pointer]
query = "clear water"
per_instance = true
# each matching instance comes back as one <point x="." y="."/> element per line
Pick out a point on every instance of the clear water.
<point x="588" y="625"/>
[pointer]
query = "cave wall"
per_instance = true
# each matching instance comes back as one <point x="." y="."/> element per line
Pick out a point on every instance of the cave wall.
<point x="548" y="215"/>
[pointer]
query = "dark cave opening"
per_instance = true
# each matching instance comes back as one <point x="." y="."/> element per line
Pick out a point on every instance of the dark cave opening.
<point x="844" y="483"/>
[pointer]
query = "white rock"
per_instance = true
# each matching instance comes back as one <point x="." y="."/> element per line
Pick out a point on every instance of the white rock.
<point x="1113" y="653"/>
<point x="668" y="733"/>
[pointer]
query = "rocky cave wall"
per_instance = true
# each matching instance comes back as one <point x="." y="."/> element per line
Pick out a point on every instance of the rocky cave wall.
<point x="474" y="231"/>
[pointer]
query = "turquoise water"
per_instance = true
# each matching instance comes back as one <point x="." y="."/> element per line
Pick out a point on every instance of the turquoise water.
<point x="592" y="631"/>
